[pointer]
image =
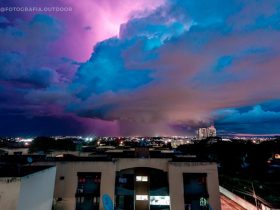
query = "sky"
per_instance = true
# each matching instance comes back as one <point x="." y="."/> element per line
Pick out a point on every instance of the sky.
<point x="142" y="67"/>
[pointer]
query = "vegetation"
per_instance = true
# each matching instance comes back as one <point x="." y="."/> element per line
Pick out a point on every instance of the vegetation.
<point x="47" y="144"/>
<point x="242" y="165"/>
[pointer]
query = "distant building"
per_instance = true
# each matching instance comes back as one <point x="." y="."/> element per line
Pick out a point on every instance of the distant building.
<point x="212" y="132"/>
<point x="204" y="133"/>
<point x="28" y="187"/>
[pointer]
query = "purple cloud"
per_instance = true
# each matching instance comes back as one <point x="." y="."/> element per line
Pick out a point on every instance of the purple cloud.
<point x="151" y="71"/>
<point x="186" y="85"/>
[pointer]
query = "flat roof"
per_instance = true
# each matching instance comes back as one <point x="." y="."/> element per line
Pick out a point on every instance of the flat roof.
<point x="104" y="156"/>
<point x="20" y="171"/>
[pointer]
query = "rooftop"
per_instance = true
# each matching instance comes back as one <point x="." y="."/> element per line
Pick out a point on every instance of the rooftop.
<point x="20" y="171"/>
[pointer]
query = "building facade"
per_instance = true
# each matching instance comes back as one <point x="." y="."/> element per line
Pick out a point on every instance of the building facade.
<point x="136" y="184"/>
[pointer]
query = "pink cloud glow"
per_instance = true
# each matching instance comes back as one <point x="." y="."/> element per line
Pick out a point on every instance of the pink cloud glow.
<point x="94" y="21"/>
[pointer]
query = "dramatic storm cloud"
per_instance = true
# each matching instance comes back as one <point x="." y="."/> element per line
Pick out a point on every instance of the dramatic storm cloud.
<point x="166" y="68"/>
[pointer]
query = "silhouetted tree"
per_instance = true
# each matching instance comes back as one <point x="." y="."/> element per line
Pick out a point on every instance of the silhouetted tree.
<point x="43" y="144"/>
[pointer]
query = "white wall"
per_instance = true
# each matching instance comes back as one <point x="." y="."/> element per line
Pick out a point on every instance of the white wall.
<point x="36" y="190"/>
<point x="9" y="192"/>
<point x="176" y="187"/>
<point x="66" y="188"/>
<point x="157" y="163"/>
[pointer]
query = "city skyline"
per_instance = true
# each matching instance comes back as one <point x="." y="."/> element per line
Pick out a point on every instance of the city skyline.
<point x="162" y="67"/>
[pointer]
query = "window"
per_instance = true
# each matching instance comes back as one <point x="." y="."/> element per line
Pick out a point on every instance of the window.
<point x="141" y="197"/>
<point x="159" y="191"/>
<point x="160" y="200"/>
<point x="195" y="191"/>
<point x="124" y="191"/>
<point x="122" y="180"/>
<point x="141" y="178"/>
<point x="88" y="191"/>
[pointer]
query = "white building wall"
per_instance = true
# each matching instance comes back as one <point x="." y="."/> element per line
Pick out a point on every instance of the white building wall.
<point x="66" y="188"/>
<point x="9" y="193"/>
<point x="176" y="187"/>
<point x="156" y="163"/>
<point x="36" y="190"/>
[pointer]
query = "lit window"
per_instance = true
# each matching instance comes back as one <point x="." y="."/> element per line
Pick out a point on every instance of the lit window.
<point x="141" y="197"/>
<point x="160" y="200"/>
<point x="141" y="178"/>
<point x="144" y="178"/>
<point x="138" y="178"/>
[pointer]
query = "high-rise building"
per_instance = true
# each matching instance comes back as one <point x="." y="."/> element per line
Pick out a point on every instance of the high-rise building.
<point x="203" y="133"/>
<point x="212" y="132"/>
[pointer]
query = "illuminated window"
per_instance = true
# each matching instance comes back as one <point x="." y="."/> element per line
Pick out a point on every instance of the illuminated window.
<point x="144" y="178"/>
<point x="141" y="178"/>
<point x="141" y="197"/>
<point x="203" y="202"/>
<point x="160" y="200"/>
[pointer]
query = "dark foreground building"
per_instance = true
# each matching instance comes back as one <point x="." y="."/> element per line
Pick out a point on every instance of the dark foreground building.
<point x="135" y="179"/>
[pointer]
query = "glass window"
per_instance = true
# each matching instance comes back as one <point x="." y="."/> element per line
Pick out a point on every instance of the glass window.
<point x="160" y="200"/>
<point x="88" y="191"/>
<point x="141" y="178"/>
<point x="124" y="191"/>
<point x="195" y="191"/>
<point x="141" y="197"/>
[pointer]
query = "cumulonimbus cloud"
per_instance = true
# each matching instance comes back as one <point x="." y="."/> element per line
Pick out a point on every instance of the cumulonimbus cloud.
<point x="173" y="67"/>
<point x="179" y="65"/>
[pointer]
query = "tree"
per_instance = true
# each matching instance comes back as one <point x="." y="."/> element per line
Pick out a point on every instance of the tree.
<point x="42" y="143"/>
